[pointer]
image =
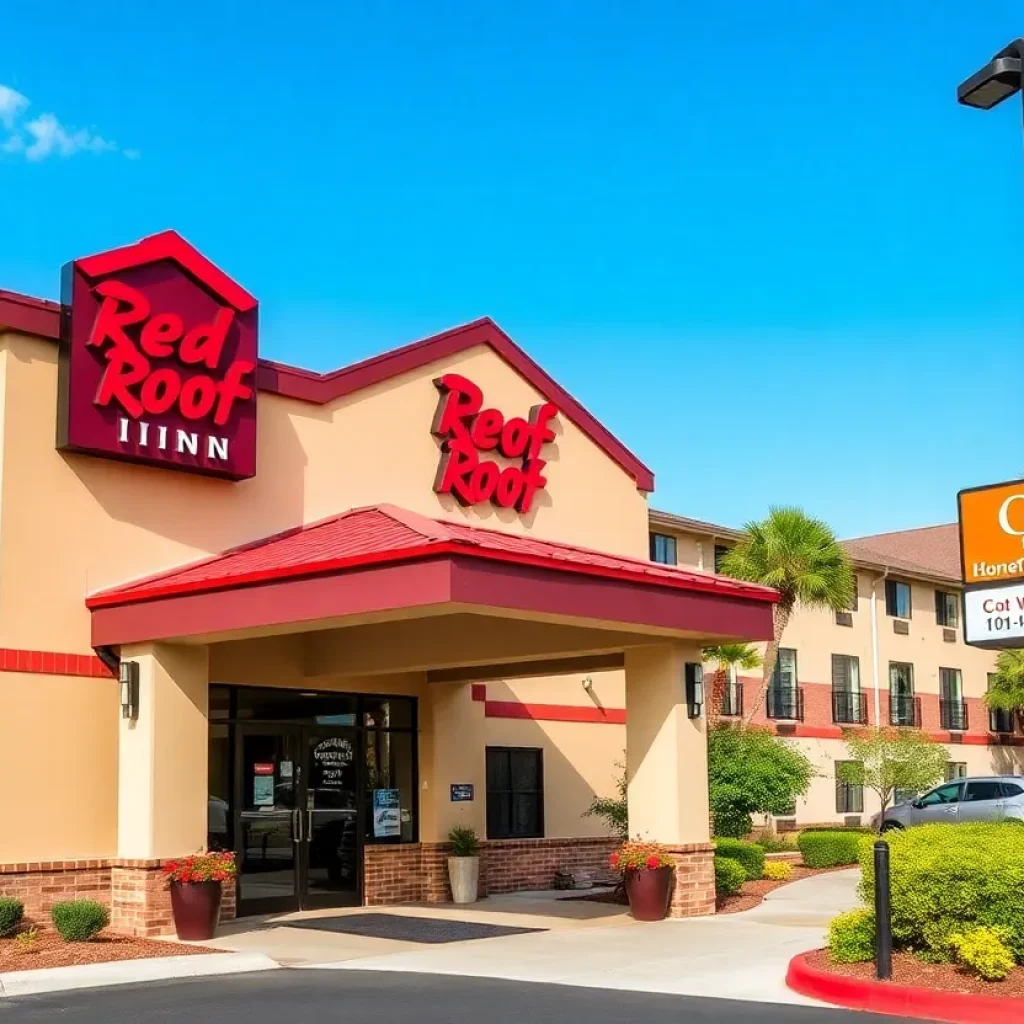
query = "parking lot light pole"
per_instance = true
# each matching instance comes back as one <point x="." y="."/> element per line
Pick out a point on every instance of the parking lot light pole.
<point x="998" y="80"/>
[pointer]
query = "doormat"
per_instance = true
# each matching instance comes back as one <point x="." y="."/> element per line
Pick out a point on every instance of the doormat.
<point x="430" y="930"/>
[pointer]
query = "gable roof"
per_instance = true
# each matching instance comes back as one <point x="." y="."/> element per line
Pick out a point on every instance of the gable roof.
<point x="383" y="534"/>
<point x="40" y="317"/>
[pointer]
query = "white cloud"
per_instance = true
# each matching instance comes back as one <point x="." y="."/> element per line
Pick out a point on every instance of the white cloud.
<point x="11" y="105"/>
<point x="45" y="136"/>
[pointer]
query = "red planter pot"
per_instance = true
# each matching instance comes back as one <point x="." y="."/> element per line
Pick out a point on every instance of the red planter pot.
<point x="196" y="909"/>
<point x="649" y="893"/>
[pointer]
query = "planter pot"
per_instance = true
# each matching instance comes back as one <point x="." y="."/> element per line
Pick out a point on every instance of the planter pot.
<point x="196" y="909"/>
<point x="649" y="893"/>
<point x="464" y="874"/>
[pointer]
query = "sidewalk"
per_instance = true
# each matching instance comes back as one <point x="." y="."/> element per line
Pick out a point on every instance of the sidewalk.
<point x="739" y="956"/>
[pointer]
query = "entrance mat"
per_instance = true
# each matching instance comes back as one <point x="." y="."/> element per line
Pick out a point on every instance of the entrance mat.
<point x="408" y="929"/>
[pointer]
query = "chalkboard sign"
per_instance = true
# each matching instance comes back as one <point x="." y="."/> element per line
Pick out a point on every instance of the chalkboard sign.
<point x="461" y="791"/>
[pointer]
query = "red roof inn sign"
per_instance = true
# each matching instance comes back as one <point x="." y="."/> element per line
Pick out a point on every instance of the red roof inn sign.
<point x="158" y="360"/>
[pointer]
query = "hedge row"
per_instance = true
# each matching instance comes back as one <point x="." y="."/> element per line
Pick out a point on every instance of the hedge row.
<point x="832" y="848"/>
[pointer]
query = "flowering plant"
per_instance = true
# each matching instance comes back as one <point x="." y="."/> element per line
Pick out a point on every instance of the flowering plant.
<point x="634" y="855"/>
<point x="216" y="866"/>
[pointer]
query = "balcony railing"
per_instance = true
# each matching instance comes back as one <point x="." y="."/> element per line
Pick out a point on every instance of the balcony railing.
<point x="904" y="709"/>
<point x="732" y="700"/>
<point x="786" y="703"/>
<point x="1002" y="721"/>
<point x="953" y="715"/>
<point x="849" y="707"/>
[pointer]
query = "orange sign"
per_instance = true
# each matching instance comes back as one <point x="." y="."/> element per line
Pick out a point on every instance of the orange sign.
<point x="992" y="533"/>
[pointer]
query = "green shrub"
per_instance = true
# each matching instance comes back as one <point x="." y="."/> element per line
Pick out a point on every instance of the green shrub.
<point x="830" y="849"/>
<point x="729" y="876"/>
<point x="985" y="952"/>
<point x="777" y="871"/>
<point x="464" y="842"/>
<point x="776" y="844"/>
<point x="851" y="937"/>
<point x="11" y="913"/>
<point x="749" y="855"/>
<point x="950" y="879"/>
<point x="79" y="920"/>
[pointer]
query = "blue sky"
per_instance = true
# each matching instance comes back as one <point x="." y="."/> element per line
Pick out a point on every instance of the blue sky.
<point x="760" y="241"/>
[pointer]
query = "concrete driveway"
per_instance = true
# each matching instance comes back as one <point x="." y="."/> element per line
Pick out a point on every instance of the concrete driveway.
<point x="738" y="956"/>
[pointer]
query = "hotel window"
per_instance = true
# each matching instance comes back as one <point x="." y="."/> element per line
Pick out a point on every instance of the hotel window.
<point x="955" y="770"/>
<point x="947" y="609"/>
<point x="849" y="797"/>
<point x="897" y="599"/>
<point x="663" y="549"/>
<point x="848" y="704"/>
<point x="515" y="793"/>
<point x="902" y="705"/>
<point x="720" y="553"/>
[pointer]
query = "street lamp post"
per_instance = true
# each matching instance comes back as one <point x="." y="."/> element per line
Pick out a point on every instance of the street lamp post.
<point x="996" y="81"/>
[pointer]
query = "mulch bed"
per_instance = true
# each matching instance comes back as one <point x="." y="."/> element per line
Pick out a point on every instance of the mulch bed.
<point x="908" y="970"/>
<point x="50" y="950"/>
<point x="753" y="893"/>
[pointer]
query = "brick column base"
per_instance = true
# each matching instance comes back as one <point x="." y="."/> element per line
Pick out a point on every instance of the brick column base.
<point x="693" y="888"/>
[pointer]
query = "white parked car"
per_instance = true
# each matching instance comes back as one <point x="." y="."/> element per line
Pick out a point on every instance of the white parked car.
<point x="982" y="798"/>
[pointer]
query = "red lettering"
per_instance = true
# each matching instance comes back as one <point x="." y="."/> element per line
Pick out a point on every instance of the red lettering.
<point x="122" y="372"/>
<point x="111" y="320"/>
<point x="205" y="343"/>
<point x="466" y="429"/>
<point x="160" y="390"/>
<point x="158" y="336"/>
<point x="197" y="397"/>
<point x="231" y="389"/>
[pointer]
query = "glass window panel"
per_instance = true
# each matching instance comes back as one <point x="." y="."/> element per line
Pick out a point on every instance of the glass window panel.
<point x="526" y="815"/>
<point x="499" y="773"/>
<point x="525" y="770"/>
<point x="220" y="703"/>
<point x="390" y="765"/>
<point x="218" y="807"/>
<point x="982" y="791"/>
<point x="300" y="706"/>
<point x="387" y="712"/>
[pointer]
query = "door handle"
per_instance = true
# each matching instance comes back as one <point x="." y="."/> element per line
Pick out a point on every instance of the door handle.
<point x="309" y="825"/>
<point x="296" y="826"/>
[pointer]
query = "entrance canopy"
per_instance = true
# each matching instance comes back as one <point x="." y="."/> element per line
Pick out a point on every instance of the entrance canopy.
<point x="382" y="562"/>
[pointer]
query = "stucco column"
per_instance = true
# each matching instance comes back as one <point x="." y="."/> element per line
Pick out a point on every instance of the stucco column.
<point x="452" y="751"/>
<point x="667" y="764"/>
<point x="162" y="767"/>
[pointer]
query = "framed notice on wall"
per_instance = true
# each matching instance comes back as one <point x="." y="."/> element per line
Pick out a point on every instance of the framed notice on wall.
<point x="387" y="820"/>
<point x="263" y="784"/>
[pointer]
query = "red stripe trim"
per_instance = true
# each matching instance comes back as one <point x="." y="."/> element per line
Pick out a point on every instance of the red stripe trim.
<point x="479" y="692"/>
<point x="554" y="712"/>
<point x="53" y="663"/>
<point x="140" y="594"/>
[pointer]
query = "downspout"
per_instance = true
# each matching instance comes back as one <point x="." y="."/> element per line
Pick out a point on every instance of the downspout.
<point x="874" y="644"/>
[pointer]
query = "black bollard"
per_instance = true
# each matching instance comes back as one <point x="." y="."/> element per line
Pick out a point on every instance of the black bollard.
<point x="883" y="913"/>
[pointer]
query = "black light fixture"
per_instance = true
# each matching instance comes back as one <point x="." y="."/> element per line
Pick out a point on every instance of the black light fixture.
<point x="694" y="688"/>
<point x="996" y="81"/>
<point x="128" y="677"/>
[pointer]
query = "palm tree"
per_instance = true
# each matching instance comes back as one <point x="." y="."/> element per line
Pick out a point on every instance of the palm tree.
<point x="800" y="557"/>
<point x="727" y="658"/>
<point x="1006" y="693"/>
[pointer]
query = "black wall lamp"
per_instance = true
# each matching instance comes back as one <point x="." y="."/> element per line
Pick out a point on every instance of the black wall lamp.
<point x="996" y="81"/>
<point x="128" y="677"/>
<point x="694" y="688"/>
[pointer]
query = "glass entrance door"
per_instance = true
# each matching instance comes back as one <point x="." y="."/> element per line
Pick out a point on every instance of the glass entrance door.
<point x="331" y="826"/>
<point x="268" y="826"/>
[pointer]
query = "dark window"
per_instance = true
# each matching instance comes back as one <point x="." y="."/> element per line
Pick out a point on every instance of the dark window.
<point x="943" y="795"/>
<point x="947" y="609"/>
<point x="955" y="770"/>
<point x="852" y="606"/>
<point x="897" y="599"/>
<point x="515" y="793"/>
<point x="902" y="705"/>
<point x="1011" y="790"/>
<point x="784" y="677"/>
<point x="849" y="797"/>
<point x="950" y="684"/>
<point x="720" y="551"/>
<point x="982" y="791"/>
<point x="846" y="673"/>
<point x="663" y="549"/>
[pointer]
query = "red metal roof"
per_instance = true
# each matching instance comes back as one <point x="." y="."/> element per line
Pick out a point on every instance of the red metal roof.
<point x="384" y="534"/>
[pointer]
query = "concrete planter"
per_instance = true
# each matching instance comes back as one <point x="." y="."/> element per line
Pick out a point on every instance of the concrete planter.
<point x="464" y="875"/>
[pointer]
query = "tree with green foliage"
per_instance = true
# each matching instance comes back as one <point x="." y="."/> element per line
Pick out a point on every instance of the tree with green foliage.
<point x="613" y="808"/>
<point x="751" y="771"/>
<point x="727" y="658"/>
<point x="800" y="557"/>
<point x="884" y="760"/>
<point x="1006" y="691"/>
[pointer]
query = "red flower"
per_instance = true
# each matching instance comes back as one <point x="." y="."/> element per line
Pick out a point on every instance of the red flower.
<point x="614" y="860"/>
<point x="653" y="862"/>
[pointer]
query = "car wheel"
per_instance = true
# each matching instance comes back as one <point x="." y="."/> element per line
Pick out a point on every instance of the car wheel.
<point x="892" y="826"/>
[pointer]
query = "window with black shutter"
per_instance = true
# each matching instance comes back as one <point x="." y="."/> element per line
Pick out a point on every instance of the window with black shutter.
<point x="515" y="793"/>
<point x="897" y="599"/>
<point x="849" y="797"/>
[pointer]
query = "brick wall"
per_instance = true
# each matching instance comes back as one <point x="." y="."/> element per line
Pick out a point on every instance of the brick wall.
<point x="134" y="890"/>
<point x="693" y="889"/>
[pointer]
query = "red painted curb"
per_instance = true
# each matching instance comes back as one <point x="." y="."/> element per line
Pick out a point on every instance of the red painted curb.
<point x="900" y="1000"/>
